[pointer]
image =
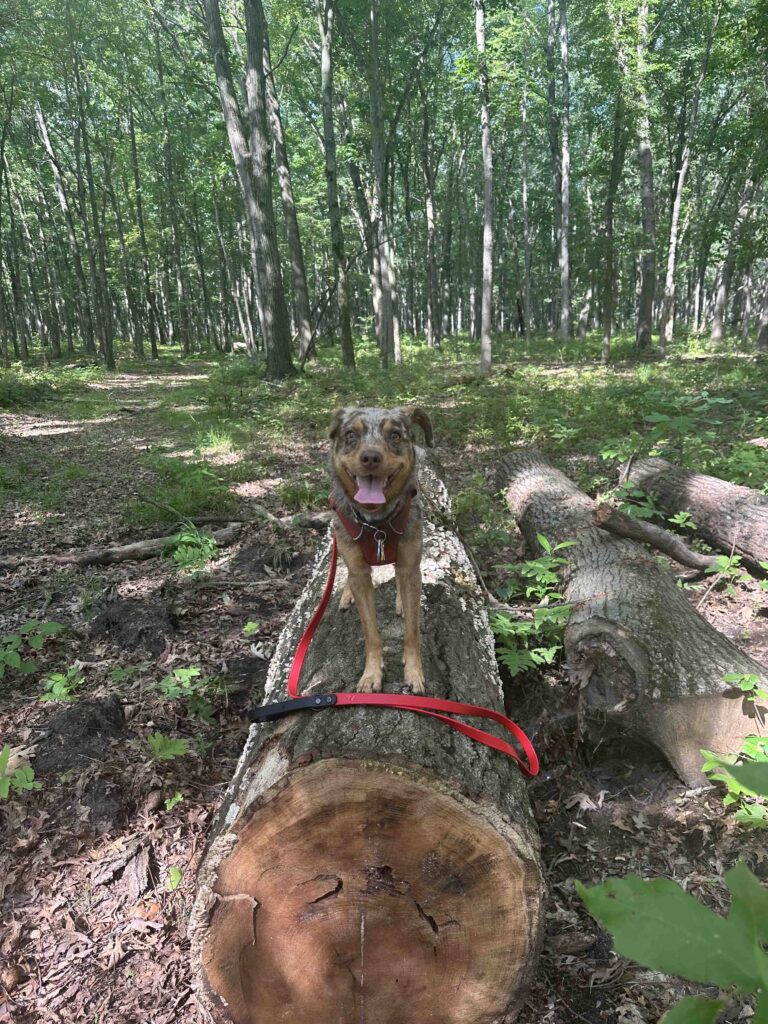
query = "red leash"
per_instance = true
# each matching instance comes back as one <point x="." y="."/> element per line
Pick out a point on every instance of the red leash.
<point x="434" y="706"/>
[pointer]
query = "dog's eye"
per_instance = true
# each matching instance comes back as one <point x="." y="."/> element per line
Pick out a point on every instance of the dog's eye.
<point x="351" y="436"/>
<point x="395" y="435"/>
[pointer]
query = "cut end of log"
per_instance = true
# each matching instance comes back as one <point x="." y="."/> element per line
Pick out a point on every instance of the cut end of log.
<point x="363" y="893"/>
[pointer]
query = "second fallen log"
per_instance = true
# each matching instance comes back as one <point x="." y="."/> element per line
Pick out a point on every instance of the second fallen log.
<point x="645" y="659"/>
<point x="731" y="518"/>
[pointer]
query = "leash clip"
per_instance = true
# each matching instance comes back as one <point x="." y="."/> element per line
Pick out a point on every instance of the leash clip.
<point x="380" y="537"/>
<point x="269" y="712"/>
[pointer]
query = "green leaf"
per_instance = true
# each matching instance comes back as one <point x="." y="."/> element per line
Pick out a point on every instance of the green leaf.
<point x="749" y="902"/>
<point x="51" y="628"/>
<point x="546" y="546"/>
<point x="35" y="642"/>
<point x="5" y="756"/>
<point x="175" y="876"/>
<point x="662" y="927"/>
<point x="753" y="777"/>
<point x="694" y="1010"/>
<point x="761" y="1009"/>
<point x="12" y="658"/>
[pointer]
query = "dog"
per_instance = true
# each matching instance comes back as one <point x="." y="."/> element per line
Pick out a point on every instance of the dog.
<point x="377" y="521"/>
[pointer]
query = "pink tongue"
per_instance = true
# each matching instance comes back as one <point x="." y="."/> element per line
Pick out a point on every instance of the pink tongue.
<point x="370" y="490"/>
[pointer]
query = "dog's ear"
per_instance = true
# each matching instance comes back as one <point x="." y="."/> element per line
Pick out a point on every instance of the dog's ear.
<point x="419" y="416"/>
<point x="337" y="418"/>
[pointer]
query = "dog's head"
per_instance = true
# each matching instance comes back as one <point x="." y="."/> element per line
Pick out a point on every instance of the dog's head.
<point x="373" y="451"/>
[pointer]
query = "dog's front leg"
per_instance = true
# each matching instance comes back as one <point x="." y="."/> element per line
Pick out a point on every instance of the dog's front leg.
<point x="408" y="573"/>
<point x="360" y="587"/>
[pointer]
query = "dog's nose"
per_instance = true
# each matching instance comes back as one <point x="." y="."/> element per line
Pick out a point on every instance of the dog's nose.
<point x="370" y="458"/>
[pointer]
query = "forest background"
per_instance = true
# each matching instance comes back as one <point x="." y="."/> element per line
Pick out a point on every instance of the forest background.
<point x="545" y="223"/>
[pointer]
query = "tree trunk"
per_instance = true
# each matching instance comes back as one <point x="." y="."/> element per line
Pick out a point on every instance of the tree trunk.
<point x="526" y="223"/>
<point x="83" y="291"/>
<point x="150" y="301"/>
<point x="553" y="135"/>
<point x="429" y="172"/>
<point x="252" y="166"/>
<point x="486" y="316"/>
<point x="617" y="163"/>
<point x="298" y="272"/>
<point x="728" y="264"/>
<point x="363" y="858"/>
<point x="762" y="329"/>
<point x="326" y="14"/>
<point x="643" y="658"/>
<point x="385" y="322"/>
<point x="644" y="333"/>
<point x="564" y="261"/>
<point x="729" y="517"/>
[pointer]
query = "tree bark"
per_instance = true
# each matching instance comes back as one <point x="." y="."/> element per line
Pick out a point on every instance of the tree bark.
<point x="553" y="136"/>
<point x="326" y="16"/>
<point x="252" y="165"/>
<point x="298" y="272"/>
<point x="564" y="260"/>
<point x="644" y="333"/>
<point x="526" y="223"/>
<point x="609" y="273"/>
<point x="385" y="320"/>
<point x="83" y="305"/>
<point x="644" y="659"/>
<point x="363" y="857"/>
<point x="728" y="264"/>
<point x="729" y="517"/>
<point x="486" y="321"/>
<point x="762" y="329"/>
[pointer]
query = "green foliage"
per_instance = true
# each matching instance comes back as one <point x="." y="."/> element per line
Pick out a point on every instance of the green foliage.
<point x="15" y="647"/>
<point x="303" y="494"/>
<point x="172" y="801"/>
<point x="662" y="927"/>
<point x="62" y="685"/>
<point x="743" y="774"/>
<point x="184" y="490"/>
<point x="531" y="643"/>
<point x="189" y="685"/>
<point x="682" y="519"/>
<point x="175" y="876"/>
<point x="166" y="749"/>
<point x="729" y="567"/>
<point x="191" y="549"/>
<point x="20" y="780"/>
<point x="635" y="502"/>
<point x="251" y="629"/>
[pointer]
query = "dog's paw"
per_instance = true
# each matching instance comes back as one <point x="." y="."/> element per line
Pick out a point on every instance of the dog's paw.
<point x="347" y="597"/>
<point x="414" y="677"/>
<point x="370" y="681"/>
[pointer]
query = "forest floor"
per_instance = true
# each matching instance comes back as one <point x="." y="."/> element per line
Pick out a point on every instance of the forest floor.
<point x="97" y="867"/>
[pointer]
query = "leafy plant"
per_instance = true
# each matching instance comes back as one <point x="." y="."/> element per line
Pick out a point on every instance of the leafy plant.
<point x="729" y="567"/>
<point x="171" y="802"/>
<point x="635" y="502"/>
<point x="741" y="792"/>
<point x="191" y="549"/>
<point x="530" y="643"/>
<point x="683" y="519"/>
<point x="662" y="927"/>
<point x="175" y="876"/>
<point x="20" y="780"/>
<point x="251" y="629"/>
<point x="189" y="685"/>
<point x="15" y="647"/>
<point x="62" y="685"/>
<point x="166" y="749"/>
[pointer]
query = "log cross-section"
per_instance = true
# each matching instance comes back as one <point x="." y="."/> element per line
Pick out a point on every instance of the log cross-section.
<point x="644" y="658"/>
<point x="371" y="864"/>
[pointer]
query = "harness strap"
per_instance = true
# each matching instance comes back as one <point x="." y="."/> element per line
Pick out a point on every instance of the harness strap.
<point x="378" y="541"/>
<point x="433" y="706"/>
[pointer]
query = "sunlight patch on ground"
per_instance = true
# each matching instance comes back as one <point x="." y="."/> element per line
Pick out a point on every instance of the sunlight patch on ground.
<point x="256" y="488"/>
<point x="211" y="455"/>
<point x="143" y="586"/>
<point x="33" y="426"/>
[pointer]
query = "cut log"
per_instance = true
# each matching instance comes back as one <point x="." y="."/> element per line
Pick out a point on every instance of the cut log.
<point x="644" y="658"/>
<point x="372" y="864"/>
<point x="731" y="518"/>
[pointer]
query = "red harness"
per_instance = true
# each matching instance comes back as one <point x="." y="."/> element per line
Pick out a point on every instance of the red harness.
<point x="378" y="541"/>
<point x="442" y="710"/>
